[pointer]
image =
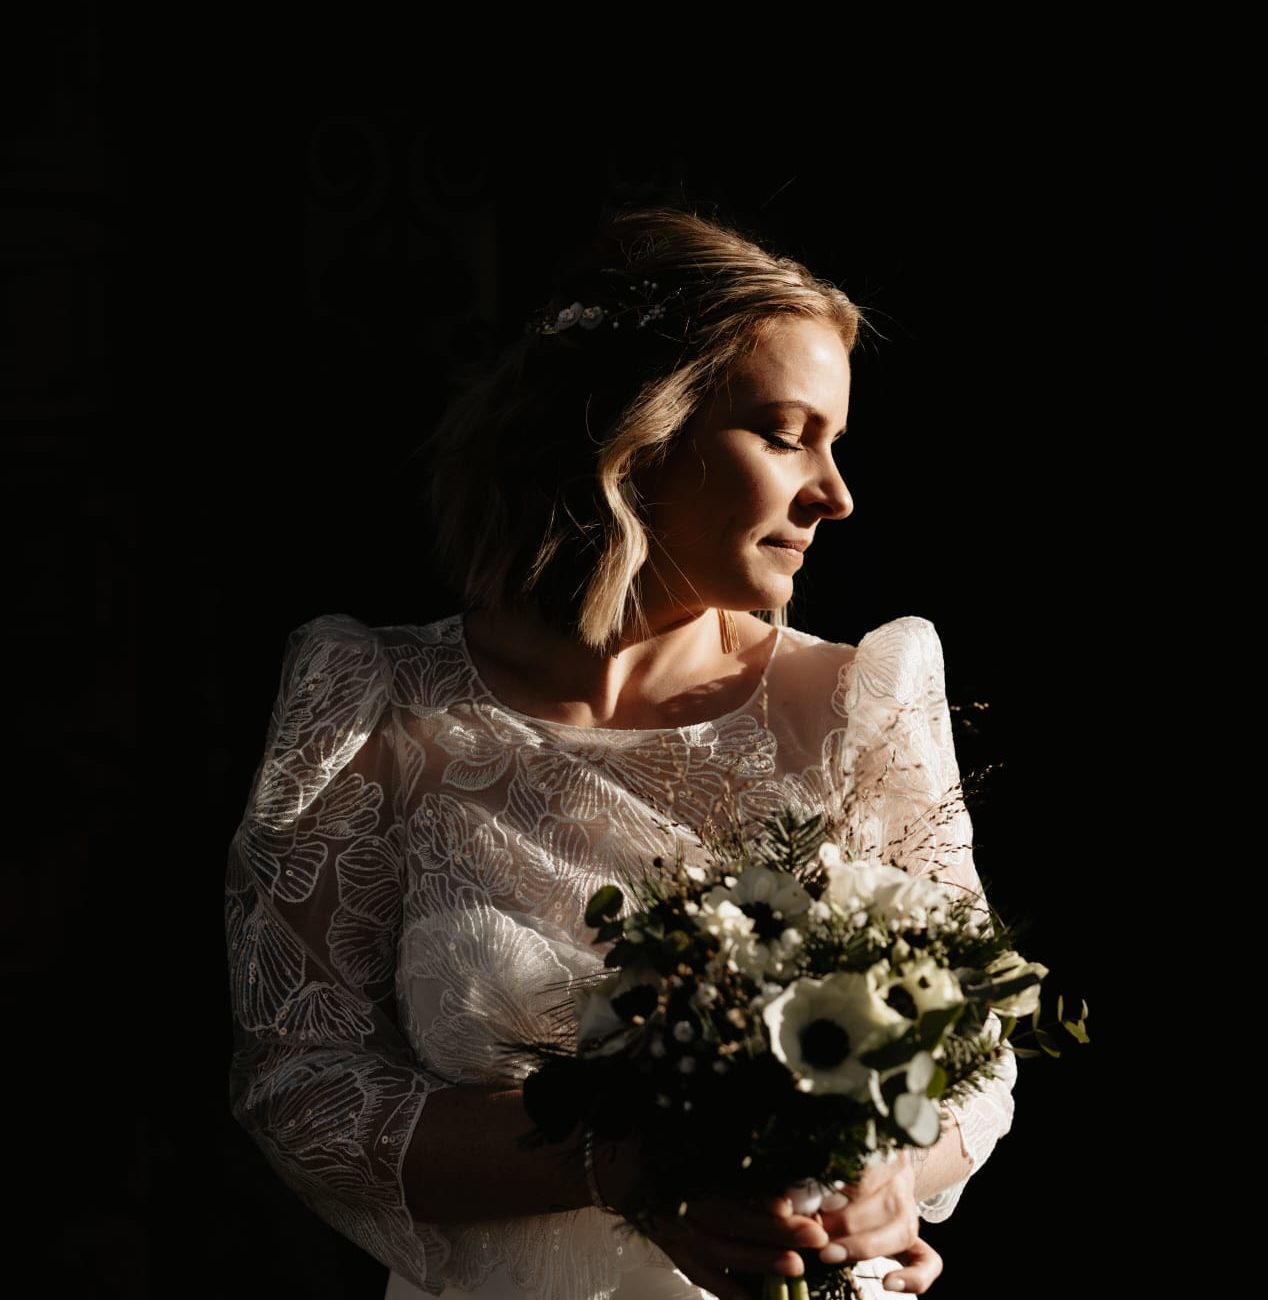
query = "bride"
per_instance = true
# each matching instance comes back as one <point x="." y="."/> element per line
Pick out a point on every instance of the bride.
<point x="648" y="465"/>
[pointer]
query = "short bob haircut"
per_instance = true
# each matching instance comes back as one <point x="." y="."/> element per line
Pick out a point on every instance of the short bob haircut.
<point x="532" y="470"/>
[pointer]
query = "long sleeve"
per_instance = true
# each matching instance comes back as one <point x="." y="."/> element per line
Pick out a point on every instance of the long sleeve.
<point x="901" y="722"/>
<point x="321" y="1076"/>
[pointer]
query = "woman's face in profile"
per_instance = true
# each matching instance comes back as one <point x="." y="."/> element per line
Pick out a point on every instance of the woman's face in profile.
<point x="752" y="475"/>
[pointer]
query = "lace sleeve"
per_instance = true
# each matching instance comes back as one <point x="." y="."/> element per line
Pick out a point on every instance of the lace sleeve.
<point x="321" y="1076"/>
<point x="922" y="824"/>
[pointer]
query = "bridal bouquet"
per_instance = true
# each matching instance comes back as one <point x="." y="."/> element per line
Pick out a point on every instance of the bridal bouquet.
<point x="774" y="1017"/>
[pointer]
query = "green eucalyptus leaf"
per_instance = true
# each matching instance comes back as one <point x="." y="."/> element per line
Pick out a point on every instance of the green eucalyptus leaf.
<point x="998" y="990"/>
<point x="933" y="1025"/>
<point x="894" y="1053"/>
<point x="1076" y="1030"/>
<point x="1046" y="1041"/>
<point x="604" y="905"/>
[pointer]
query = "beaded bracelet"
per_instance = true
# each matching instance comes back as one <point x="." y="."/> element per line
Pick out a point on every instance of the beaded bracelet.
<point x="592" y="1181"/>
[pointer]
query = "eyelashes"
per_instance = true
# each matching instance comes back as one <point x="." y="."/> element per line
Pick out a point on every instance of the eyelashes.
<point x="778" y="445"/>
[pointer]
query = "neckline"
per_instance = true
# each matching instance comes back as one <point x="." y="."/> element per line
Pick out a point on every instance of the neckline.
<point x="492" y="700"/>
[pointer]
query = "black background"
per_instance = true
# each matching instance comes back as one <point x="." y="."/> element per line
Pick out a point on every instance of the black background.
<point x="242" y="265"/>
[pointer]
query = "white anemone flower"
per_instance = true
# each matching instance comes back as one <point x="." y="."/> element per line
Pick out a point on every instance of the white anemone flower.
<point x="774" y="904"/>
<point x="601" y="1031"/>
<point x="929" y="986"/>
<point x="820" y="1028"/>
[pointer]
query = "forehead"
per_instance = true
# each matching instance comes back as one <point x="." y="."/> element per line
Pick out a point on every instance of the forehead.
<point x="798" y="361"/>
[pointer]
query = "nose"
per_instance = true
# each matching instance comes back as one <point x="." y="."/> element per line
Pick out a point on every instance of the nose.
<point x="825" y="492"/>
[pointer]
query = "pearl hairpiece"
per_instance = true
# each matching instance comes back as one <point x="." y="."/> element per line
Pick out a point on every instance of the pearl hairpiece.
<point x="636" y="302"/>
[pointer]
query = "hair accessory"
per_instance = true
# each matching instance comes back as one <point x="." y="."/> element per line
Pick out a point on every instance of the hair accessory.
<point x="592" y="1181"/>
<point x="633" y="303"/>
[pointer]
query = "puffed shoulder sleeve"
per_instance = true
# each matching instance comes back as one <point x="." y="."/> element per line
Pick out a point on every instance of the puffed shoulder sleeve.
<point x="900" y="723"/>
<point x="321" y="1076"/>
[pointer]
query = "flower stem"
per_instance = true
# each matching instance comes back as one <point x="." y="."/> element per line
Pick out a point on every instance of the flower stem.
<point x="775" y="1287"/>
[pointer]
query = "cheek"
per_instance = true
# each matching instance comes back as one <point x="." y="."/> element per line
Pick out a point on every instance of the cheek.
<point x="695" y="500"/>
<point x="739" y="476"/>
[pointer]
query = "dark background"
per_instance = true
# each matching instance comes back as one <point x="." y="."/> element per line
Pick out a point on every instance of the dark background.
<point x="240" y="275"/>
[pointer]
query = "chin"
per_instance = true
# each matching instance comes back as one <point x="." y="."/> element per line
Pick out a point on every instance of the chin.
<point x="762" y="598"/>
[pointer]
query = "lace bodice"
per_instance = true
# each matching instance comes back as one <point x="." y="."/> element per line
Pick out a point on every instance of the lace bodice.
<point x="409" y="879"/>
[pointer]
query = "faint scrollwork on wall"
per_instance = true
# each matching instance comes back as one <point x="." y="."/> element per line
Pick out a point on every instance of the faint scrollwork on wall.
<point x="400" y="247"/>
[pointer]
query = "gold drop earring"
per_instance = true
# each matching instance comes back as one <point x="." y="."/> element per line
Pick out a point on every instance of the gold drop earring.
<point x="730" y="634"/>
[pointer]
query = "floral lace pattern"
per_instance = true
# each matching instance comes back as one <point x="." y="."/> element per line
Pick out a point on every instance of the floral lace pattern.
<point x="413" y="864"/>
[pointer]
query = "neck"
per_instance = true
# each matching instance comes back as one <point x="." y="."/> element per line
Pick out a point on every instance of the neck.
<point x="521" y="656"/>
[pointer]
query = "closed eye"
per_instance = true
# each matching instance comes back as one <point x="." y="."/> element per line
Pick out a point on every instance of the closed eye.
<point x="778" y="444"/>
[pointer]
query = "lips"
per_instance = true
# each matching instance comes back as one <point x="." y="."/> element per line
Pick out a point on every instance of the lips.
<point x="790" y="544"/>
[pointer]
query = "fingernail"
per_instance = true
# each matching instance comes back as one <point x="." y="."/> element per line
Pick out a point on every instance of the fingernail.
<point x="834" y="1253"/>
<point x="895" y="1284"/>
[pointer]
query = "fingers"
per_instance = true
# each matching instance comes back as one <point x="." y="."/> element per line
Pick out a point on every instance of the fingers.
<point x="720" y="1235"/>
<point x="875" y="1177"/>
<point x="768" y="1223"/>
<point x="921" y="1267"/>
<point x="722" y="1252"/>
<point x="883" y="1225"/>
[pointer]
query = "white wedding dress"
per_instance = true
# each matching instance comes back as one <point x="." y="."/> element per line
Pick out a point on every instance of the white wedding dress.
<point x="409" y="879"/>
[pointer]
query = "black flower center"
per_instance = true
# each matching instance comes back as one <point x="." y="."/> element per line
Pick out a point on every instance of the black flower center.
<point x="767" y="923"/>
<point x="824" y="1044"/>
<point x="902" y="1002"/>
<point x="639" y="1001"/>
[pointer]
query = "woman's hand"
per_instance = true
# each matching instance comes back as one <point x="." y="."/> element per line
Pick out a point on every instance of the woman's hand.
<point x="880" y="1218"/>
<point x="718" y="1239"/>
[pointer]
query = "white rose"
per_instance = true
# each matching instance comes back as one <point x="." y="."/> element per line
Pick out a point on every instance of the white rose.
<point x="911" y="896"/>
<point x="855" y="886"/>
<point x="1009" y="966"/>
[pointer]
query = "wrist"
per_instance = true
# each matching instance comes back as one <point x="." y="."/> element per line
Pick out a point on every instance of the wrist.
<point x="613" y="1171"/>
<point x="594" y="1152"/>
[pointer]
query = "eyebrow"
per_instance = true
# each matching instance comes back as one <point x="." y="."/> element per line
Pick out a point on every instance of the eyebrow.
<point x="797" y="404"/>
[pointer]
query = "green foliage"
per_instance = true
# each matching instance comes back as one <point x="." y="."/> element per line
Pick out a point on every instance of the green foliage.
<point x="937" y="1083"/>
<point x="923" y="1036"/>
<point x="1076" y="1028"/>
<point x="604" y="906"/>
<point x="790" y="842"/>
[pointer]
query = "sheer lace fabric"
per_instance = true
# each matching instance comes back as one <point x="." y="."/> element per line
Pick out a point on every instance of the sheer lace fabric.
<point x="409" y="879"/>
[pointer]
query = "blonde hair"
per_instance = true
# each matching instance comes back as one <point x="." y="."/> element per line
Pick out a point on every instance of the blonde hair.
<point x="530" y="492"/>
